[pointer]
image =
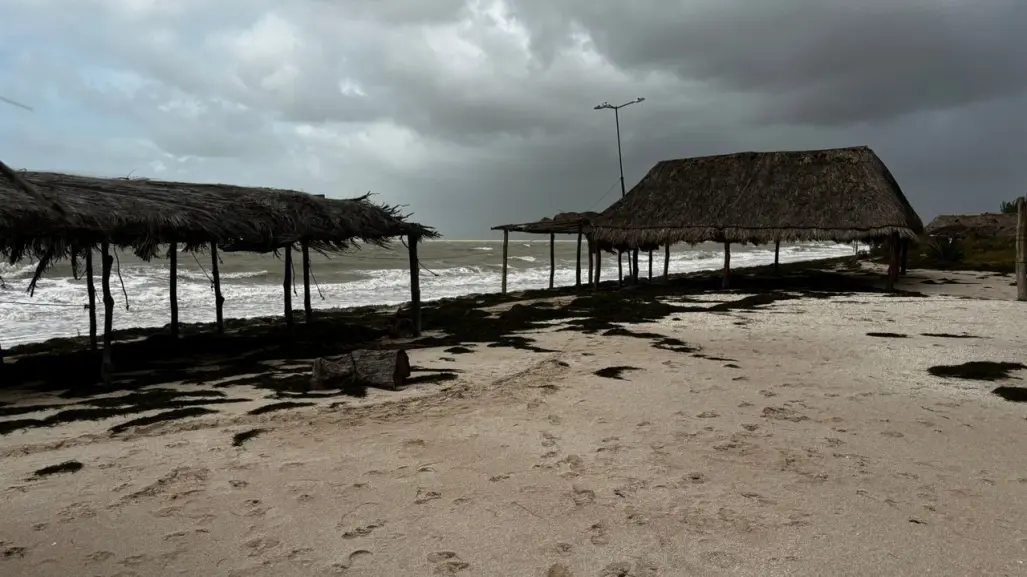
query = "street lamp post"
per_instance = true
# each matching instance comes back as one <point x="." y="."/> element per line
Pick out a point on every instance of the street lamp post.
<point x="632" y="262"/>
<point x="616" y="118"/>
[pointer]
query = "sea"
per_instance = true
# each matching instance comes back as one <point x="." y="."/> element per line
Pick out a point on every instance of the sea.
<point x="252" y="284"/>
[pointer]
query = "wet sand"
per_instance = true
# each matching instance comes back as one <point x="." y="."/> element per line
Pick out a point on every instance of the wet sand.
<point x="799" y="436"/>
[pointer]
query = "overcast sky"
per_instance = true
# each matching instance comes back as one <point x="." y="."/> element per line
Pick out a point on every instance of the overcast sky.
<point x="480" y="113"/>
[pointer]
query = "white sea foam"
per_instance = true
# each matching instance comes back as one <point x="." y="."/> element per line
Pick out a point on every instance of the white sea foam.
<point x="57" y="308"/>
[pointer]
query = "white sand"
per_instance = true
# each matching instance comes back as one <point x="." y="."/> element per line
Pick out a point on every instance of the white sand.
<point x="818" y="451"/>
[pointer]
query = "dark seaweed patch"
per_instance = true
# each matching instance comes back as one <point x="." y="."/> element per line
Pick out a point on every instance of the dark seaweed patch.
<point x="1012" y="394"/>
<point x="239" y="438"/>
<point x="458" y="350"/>
<point x="949" y="336"/>
<point x="273" y="407"/>
<point x="616" y="372"/>
<point x="433" y="378"/>
<point x="888" y="335"/>
<point x="172" y="415"/>
<point x="59" y="468"/>
<point x="977" y="370"/>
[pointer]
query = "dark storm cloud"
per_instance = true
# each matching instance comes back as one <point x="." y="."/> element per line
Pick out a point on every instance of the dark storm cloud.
<point x="479" y="112"/>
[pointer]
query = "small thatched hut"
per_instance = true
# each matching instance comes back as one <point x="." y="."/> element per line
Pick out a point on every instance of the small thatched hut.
<point x="562" y="223"/>
<point x="52" y="216"/>
<point x="843" y="195"/>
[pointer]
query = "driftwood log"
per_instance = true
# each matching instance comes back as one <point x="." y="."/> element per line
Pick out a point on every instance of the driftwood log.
<point x="386" y="369"/>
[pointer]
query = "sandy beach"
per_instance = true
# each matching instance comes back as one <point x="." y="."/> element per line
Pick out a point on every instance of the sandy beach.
<point x="795" y="434"/>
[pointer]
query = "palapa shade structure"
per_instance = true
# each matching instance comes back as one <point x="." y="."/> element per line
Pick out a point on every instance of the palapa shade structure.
<point x="51" y="216"/>
<point x="842" y="195"/>
<point x="562" y="223"/>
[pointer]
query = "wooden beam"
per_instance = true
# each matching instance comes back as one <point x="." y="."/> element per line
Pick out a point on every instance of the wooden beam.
<point x="650" y="266"/>
<point x="904" y="256"/>
<point x="893" y="262"/>
<point x="591" y="260"/>
<point x="599" y="266"/>
<point x="287" y="287"/>
<point x="308" y="311"/>
<point x="1021" y="249"/>
<point x="666" y="263"/>
<point x="415" y="285"/>
<point x="552" y="259"/>
<point x="620" y="267"/>
<point x="219" y="301"/>
<point x="107" y="367"/>
<point x="506" y="251"/>
<point x="577" y="272"/>
<point x="777" y="255"/>
<point x="727" y="266"/>
<point x="91" y="293"/>
<point x="634" y="266"/>
<point x="173" y="286"/>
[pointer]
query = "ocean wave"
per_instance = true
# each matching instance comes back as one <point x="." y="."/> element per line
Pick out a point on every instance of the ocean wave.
<point x="146" y="285"/>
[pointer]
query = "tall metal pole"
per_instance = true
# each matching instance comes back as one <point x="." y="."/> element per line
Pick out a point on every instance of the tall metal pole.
<point x="616" y="118"/>
<point x="620" y="157"/>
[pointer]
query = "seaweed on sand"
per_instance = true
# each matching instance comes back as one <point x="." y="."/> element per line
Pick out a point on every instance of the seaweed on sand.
<point x="239" y="439"/>
<point x="977" y="370"/>
<point x="59" y="468"/>
<point x="616" y="372"/>
<point x="274" y="407"/>
<point x="172" y="415"/>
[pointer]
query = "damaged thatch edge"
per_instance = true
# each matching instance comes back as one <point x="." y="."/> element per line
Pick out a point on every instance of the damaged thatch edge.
<point x="632" y="237"/>
<point x="562" y="223"/>
<point x="52" y="216"/>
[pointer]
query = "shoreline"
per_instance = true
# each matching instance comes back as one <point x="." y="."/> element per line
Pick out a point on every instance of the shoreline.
<point x="240" y="323"/>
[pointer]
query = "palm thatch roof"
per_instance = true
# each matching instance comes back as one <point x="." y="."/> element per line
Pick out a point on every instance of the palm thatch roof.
<point x="51" y="215"/>
<point x="562" y="223"/>
<point x="842" y="194"/>
<point x="987" y="225"/>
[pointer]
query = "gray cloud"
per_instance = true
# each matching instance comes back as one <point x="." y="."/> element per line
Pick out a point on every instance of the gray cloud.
<point x="476" y="113"/>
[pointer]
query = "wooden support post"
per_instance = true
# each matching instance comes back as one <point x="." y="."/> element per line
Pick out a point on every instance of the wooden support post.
<point x="173" y="286"/>
<point x="308" y="311"/>
<point x="107" y="368"/>
<point x="1021" y="249"/>
<point x="893" y="261"/>
<point x="599" y="266"/>
<point x="287" y="287"/>
<point x="552" y="260"/>
<point x="634" y="266"/>
<point x="666" y="263"/>
<point x="904" y="256"/>
<point x="577" y="272"/>
<point x="777" y="255"/>
<point x="650" y="266"/>
<point x="506" y="249"/>
<point x="91" y="293"/>
<point x="727" y="266"/>
<point x="620" y="267"/>
<point x="415" y="284"/>
<point x="591" y="260"/>
<point x="219" y="301"/>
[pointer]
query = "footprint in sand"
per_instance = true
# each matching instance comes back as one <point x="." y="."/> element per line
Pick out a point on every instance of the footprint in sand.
<point x="559" y="570"/>
<point x="549" y="440"/>
<point x="598" y="536"/>
<point x="426" y="496"/>
<point x="364" y="530"/>
<point x="260" y="545"/>
<point x="708" y="415"/>
<point x="447" y="563"/>
<point x="583" y="496"/>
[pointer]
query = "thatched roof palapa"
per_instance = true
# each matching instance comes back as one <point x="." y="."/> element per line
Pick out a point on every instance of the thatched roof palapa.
<point x="562" y="223"/>
<point x="842" y="194"/>
<point x="52" y="214"/>
<point x="987" y="225"/>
